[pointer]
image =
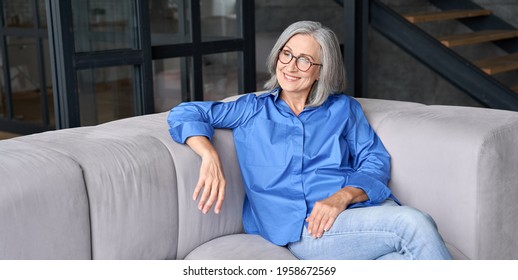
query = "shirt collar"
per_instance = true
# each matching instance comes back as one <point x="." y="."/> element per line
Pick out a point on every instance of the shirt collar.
<point x="276" y="93"/>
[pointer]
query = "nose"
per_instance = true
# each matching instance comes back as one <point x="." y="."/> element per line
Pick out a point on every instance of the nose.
<point x="292" y="66"/>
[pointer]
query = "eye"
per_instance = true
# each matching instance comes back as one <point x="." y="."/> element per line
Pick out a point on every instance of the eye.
<point x="286" y="53"/>
<point x="305" y="60"/>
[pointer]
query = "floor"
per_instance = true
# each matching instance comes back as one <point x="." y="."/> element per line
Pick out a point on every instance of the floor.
<point x="7" y="135"/>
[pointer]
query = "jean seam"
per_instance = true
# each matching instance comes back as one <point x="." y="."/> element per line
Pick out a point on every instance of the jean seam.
<point x="296" y="255"/>
<point x="403" y="240"/>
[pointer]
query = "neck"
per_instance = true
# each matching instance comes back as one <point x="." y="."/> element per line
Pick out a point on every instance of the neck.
<point x="296" y="102"/>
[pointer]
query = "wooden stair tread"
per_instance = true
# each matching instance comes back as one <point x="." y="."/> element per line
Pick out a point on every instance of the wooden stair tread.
<point x="477" y="37"/>
<point x="444" y="15"/>
<point x="498" y="64"/>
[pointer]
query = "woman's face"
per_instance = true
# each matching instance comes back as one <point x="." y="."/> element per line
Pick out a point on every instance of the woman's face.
<point x="291" y="79"/>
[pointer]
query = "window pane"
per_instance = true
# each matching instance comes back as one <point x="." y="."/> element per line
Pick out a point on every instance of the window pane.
<point x="171" y="82"/>
<point x="42" y="13"/>
<point x="220" y="75"/>
<point x="220" y="19"/>
<point x="107" y="25"/>
<point x="169" y="21"/>
<point x="105" y="94"/>
<point x="18" y="13"/>
<point x="25" y="78"/>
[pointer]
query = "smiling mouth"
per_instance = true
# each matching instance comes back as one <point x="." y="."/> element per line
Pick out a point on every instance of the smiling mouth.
<point x="290" y="78"/>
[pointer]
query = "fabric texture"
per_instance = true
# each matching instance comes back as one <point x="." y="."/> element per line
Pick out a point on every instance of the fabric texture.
<point x="194" y="227"/>
<point x="44" y="211"/>
<point x="123" y="190"/>
<point x="305" y="158"/>
<point x="240" y="247"/>
<point x="131" y="186"/>
<point x="388" y="231"/>
<point x="456" y="163"/>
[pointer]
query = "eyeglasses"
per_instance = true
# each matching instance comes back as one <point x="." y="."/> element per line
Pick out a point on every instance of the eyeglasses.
<point x="302" y="63"/>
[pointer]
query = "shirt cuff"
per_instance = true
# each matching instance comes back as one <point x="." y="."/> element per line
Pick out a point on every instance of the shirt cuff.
<point x="183" y="131"/>
<point x="375" y="190"/>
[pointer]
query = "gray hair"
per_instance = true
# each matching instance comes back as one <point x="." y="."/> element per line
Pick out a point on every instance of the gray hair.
<point x="332" y="72"/>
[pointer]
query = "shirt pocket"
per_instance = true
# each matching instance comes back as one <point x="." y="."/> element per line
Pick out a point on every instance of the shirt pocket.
<point x="267" y="143"/>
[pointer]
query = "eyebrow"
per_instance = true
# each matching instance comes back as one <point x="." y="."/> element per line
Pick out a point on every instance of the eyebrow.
<point x="302" y="54"/>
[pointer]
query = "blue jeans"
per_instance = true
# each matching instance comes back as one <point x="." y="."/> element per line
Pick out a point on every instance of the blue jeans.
<point x="388" y="231"/>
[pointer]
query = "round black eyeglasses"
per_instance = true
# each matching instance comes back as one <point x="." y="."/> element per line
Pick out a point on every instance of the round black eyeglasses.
<point x="302" y="63"/>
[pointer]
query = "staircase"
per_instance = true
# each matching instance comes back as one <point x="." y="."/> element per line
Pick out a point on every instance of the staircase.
<point x="478" y="78"/>
<point x="493" y="65"/>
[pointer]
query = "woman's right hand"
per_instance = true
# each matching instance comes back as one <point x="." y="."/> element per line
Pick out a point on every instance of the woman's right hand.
<point x="211" y="183"/>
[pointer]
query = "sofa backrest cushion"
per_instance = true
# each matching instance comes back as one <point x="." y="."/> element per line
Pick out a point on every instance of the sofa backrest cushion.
<point x="44" y="211"/>
<point x="131" y="185"/>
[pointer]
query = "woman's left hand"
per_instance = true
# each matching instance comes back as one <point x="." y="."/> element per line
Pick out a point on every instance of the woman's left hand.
<point x="325" y="211"/>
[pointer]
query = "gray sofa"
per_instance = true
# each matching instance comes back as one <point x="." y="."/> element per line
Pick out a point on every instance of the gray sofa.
<point x="122" y="190"/>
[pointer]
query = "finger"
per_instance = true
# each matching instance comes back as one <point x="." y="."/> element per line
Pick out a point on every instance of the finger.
<point x="205" y="194"/>
<point x="221" y="196"/>
<point x="214" y="189"/>
<point x="310" y="220"/>
<point x="201" y="180"/>
<point x="321" y="227"/>
<point x="199" y="186"/>
<point x="329" y="224"/>
<point x="315" y="223"/>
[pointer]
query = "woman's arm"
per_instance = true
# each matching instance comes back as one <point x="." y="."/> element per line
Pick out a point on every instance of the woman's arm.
<point x="193" y="123"/>
<point x="369" y="158"/>
<point x="211" y="179"/>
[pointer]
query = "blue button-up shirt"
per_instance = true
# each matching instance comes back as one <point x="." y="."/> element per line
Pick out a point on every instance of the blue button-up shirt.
<point x="289" y="162"/>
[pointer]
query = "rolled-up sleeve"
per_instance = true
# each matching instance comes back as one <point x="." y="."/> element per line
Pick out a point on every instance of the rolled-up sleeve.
<point x="200" y="118"/>
<point x="187" y="119"/>
<point x="370" y="160"/>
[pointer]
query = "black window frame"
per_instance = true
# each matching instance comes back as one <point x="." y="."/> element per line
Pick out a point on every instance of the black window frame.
<point x="39" y="34"/>
<point x="66" y="62"/>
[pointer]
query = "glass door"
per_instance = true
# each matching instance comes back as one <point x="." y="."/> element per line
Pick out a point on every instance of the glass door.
<point x="201" y="49"/>
<point x="123" y="58"/>
<point x="102" y="64"/>
<point x="26" y="93"/>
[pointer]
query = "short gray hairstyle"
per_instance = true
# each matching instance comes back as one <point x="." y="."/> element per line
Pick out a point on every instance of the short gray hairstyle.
<point x="332" y="72"/>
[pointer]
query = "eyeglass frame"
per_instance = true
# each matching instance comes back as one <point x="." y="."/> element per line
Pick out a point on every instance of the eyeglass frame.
<point x="296" y="60"/>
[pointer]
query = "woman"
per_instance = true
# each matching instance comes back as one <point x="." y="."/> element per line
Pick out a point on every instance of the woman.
<point x="314" y="171"/>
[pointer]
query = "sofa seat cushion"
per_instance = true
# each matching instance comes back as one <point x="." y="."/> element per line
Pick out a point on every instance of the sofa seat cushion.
<point x="240" y="247"/>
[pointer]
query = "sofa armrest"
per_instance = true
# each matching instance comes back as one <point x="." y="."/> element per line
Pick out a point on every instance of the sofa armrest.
<point x="460" y="165"/>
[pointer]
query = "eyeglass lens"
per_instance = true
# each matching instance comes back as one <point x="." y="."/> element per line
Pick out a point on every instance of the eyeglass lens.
<point x="302" y="63"/>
